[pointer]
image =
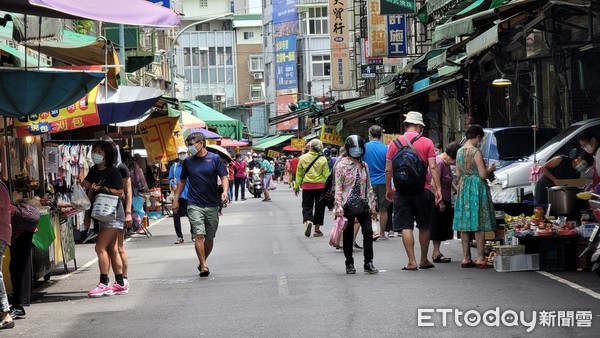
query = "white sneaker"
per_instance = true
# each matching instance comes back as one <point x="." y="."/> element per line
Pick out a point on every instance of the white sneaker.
<point x="391" y="234"/>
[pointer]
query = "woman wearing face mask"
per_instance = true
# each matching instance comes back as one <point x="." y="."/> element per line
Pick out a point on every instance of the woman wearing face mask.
<point x="473" y="211"/>
<point x="105" y="178"/>
<point x="590" y="143"/>
<point x="174" y="174"/>
<point x="351" y="185"/>
<point x="560" y="168"/>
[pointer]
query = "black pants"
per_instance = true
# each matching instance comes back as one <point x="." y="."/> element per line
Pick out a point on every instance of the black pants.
<point x="20" y="269"/>
<point x="367" y="232"/>
<point x="312" y="208"/>
<point x="182" y="212"/>
<point x="239" y="182"/>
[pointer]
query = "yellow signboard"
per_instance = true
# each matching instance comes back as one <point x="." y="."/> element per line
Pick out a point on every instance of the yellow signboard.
<point x="273" y="154"/>
<point x="388" y="138"/>
<point x="330" y="135"/>
<point x="298" y="143"/>
<point x="160" y="138"/>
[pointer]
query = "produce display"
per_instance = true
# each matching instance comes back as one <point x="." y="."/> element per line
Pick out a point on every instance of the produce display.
<point x="538" y="225"/>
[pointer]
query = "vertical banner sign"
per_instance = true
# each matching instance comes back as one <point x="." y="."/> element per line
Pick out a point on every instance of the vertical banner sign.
<point x="285" y="65"/>
<point x="377" y="30"/>
<point x="339" y="37"/>
<point x="396" y="26"/>
<point x="392" y="7"/>
<point x="285" y="18"/>
<point x="159" y="138"/>
<point x="83" y="113"/>
<point x="282" y="102"/>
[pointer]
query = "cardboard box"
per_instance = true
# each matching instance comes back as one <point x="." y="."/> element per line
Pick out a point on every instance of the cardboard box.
<point x="580" y="183"/>
<point x="517" y="263"/>
<point x="510" y="250"/>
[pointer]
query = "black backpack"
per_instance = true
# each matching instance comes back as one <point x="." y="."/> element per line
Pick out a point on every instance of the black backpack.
<point x="410" y="171"/>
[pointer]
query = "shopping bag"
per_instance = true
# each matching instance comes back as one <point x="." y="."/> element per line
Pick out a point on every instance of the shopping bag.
<point x="79" y="199"/>
<point x="105" y="208"/>
<point x="45" y="234"/>
<point x="335" y="235"/>
<point x="376" y="227"/>
<point x="272" y="185"/>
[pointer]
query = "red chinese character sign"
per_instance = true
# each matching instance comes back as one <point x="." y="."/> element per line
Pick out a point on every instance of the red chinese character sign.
<point x="340" y="44"/>
<point x="83" y="113"/>
<point x="282" y="103"/>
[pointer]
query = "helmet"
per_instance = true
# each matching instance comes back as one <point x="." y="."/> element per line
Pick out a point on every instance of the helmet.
<point x="355" y="146"/>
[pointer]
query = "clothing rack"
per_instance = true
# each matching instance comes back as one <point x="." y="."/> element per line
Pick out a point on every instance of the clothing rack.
<point x="83" y="140"/>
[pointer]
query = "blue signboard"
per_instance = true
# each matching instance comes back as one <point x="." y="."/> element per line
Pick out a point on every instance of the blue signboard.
<point x="284" y="11"/>
<point x="285" y="65"/>
<point x="164" y="3"/>
<point x="396" y="36"/>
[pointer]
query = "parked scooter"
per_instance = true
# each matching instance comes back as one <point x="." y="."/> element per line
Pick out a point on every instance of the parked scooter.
<point x="255" y="183"/>
<point x="594" y="241"/>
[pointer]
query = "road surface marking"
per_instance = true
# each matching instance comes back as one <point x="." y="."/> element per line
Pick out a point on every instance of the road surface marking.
<point x="282" y="286"/>
<point x="571" y="284"/>
<point x="276" y="248"/>
<point x="93" y="261"/>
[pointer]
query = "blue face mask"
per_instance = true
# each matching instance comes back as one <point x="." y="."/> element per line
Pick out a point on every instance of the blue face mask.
<point x="355" y="152"/>
<point x="193" y="150"/>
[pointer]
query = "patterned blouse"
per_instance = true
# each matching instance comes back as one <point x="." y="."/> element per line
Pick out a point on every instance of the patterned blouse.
<point x="346" y="171"/>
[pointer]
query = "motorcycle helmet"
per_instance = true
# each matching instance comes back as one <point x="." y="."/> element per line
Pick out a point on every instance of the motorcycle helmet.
<point x="355" y="146"/>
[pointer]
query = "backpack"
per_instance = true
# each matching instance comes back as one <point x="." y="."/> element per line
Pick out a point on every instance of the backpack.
<point x="410" y="171"/>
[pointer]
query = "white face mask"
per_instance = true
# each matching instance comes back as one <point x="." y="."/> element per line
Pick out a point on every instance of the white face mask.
<point x="182" y="157"/>
<point x="355" y="152"/>
<point x="97" y="158"/>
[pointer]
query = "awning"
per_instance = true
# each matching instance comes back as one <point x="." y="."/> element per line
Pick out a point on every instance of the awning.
<point x="126" y="103"/>
<point x="35" y="91"/>
<point x="232" y="143"/>
<point x="422" y="61"/>
<point x="129" y="12"/>
<point x="225" y="125"/>
<point x="188" y="120"/>
<point x="491" y="37"/>
<point x="292" y="149"/>
<point x="456" y="28"/>
<point x="272" y="143"/>
<point x="424" y="13"/>
<point x="207" y="133"/>
<point x="20" y="58"/>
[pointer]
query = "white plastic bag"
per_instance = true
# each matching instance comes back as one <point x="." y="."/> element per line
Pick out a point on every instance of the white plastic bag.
<point x="79" y="199"/>
<point x="376" y="227"/>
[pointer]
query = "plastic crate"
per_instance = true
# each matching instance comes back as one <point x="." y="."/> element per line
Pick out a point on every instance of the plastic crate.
<point x="552" y="255"/>
<point x="517" y="263"/>
<point x="155" y="214"/>
<point x="510" y="250"/>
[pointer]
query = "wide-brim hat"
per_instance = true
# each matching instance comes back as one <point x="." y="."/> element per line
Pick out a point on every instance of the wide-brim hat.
<point x="414" y="117"/>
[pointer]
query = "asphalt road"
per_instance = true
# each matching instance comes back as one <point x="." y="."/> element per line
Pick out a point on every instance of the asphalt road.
<point x="268" y="280"/>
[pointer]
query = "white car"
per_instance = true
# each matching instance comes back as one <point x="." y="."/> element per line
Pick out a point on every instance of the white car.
<point x="517" y="174"/>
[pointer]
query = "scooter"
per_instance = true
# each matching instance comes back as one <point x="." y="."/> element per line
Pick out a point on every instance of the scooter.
<point x="255" y="183"/>
<point x="594" y="241"/>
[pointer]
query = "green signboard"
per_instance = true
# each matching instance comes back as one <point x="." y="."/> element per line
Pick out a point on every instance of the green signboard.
<point x="392" y="7"/>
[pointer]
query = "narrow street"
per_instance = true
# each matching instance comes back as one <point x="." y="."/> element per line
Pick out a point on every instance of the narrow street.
<point x="268" y="280"/>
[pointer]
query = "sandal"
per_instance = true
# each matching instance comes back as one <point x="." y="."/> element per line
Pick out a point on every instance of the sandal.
<point x="205" y="272"/>
<point x="7" y="325"/>
<point x="441" y="259"/>
<point x="468" y="265"/>
<point x="179" y="240"/>
<point x="484" y="265"/>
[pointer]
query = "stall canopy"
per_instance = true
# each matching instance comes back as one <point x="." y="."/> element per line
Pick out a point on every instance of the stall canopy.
<point x="190" y="121"/>
<point x="35" y="91"/>
<point x="273" y="142"/>
<point x="126" y="103"/>
<point x="129" y="12"/>
<point x="225" y="125"/>
<point x="232" y="143"/>
<point x="207" y="133"/>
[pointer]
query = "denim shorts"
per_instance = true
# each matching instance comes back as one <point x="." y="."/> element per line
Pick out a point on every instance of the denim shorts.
<point x="204" y="221"/>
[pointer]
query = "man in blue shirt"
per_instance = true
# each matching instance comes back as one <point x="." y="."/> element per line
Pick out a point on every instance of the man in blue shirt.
<point x="174" y="174"/>
<point x="374" y="156"/>
<point x="202" y="169"/>
<point x="266" y="170"/>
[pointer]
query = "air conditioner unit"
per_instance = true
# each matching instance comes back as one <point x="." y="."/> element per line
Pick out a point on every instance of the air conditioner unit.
<point x="258" y="76"/>
<point x="219" y="97"/>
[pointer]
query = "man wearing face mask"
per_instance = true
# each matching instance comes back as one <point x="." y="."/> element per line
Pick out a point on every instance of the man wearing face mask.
<point x="560" y="168"/>
<point x="174" y="174"/>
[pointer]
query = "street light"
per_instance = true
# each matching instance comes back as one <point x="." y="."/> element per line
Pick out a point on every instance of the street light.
<point x="172" y="49"/>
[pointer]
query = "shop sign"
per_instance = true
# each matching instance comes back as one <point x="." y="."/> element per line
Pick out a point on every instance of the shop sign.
<point x="339" y="37"/>
<point x="368" y="71"/>
<point x="83" y="113"/>
<point x="161" y="138"/>
<point x="396" y="33"/>
<point x="330" y="135"/>
<point x="273" y="154"/>
<point x="387" y="34"/>
<point x="298" y="143"/>
<point x="282" y="103"/>
<point x="390" y="7"/>
<point x="285" y="65"/>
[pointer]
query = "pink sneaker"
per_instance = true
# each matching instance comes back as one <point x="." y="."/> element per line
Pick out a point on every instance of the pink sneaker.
<point x="101" y="290"/>
<point x="120" y="290"/>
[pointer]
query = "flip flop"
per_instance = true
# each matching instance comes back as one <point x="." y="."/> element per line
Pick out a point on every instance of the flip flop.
<point x="441" y="259"/>
<point x="410" y="269"/>
<point x="468" y="265"/>
<point x="428" y="266"/>
<point x="204" y="273"/>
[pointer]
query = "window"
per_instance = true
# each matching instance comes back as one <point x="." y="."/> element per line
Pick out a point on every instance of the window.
<point x="257" y="63"/>
<point x="321" y="65"/>
<point x="186" y="56"/>
<point x="248" y="35"/>
<point x="203" y="3"/>
<point x="256" y="93"/>
<point x="318" y="21"/>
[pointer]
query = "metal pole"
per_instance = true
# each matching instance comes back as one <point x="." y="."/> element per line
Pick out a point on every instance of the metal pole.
<point x="8" y="164"/>
<point x="122" y="49"/>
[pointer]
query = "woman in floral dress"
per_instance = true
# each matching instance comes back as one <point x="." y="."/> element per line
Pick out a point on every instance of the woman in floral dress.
<point x="473" y="211"/>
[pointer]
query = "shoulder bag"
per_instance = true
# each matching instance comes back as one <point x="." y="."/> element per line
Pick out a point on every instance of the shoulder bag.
<point x="308" y="168"/>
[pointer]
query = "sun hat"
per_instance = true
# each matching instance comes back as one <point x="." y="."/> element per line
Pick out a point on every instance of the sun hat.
<point x="414" y="117"/>
<point x="182" y="149"/>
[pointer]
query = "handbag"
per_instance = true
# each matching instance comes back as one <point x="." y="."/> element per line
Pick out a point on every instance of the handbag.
<point x="105" y="208"/>
<point x="335" y="236"/>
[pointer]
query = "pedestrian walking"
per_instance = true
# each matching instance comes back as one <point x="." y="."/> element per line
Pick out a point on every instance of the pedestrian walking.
<point x="266" y="172"/>
<point x="293" y="169"/>
<point x="354" y="199"/>
<point x="202" y="170"/>
<point x="408" y="158"/>
<point x="6" y="321"/>
<point x="441" y="228"/>
<point x="374" y="157"/>
<point x="239" y="166"/>
<point x="474" y="211"/>
<point x="104" y="177"/>
<point x="174" y="175"/>
<point x="311" y="174"/>
<point x="231" y="177"/>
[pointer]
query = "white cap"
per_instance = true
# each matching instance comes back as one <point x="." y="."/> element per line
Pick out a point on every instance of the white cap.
<point x="414" y="117"/>
<point x="182" y="149"/>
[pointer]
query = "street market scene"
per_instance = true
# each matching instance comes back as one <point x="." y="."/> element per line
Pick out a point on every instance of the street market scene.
<point x="299" y="168"/>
